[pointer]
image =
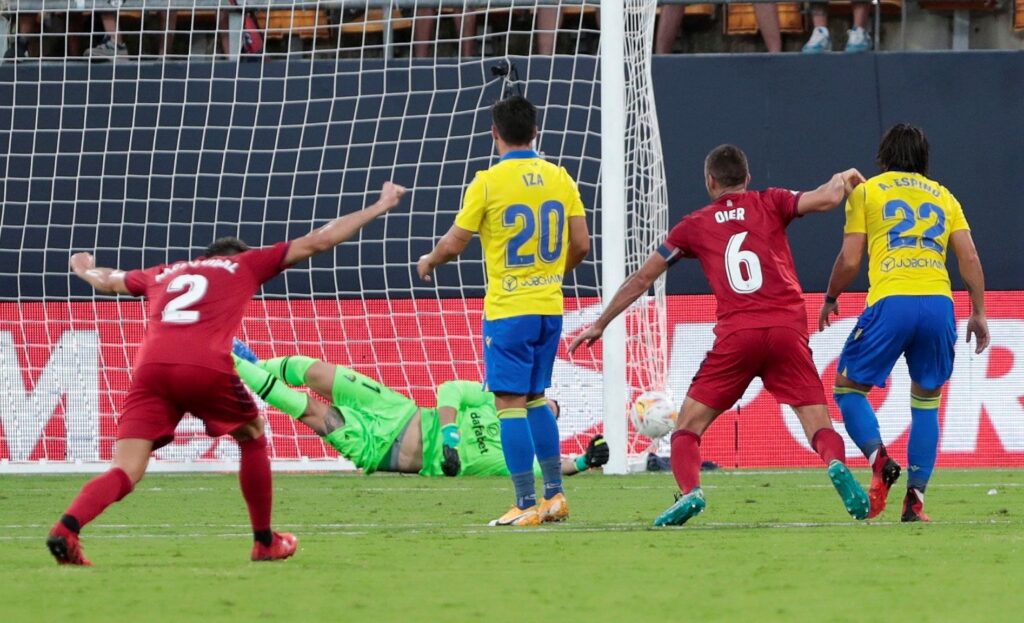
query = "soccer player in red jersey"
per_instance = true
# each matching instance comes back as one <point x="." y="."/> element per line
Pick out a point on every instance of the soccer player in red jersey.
<point x="740" y="241"/>
<point x="185" y="365"/>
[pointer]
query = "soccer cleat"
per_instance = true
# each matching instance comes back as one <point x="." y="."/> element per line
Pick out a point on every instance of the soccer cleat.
<point x="819" y="42"/>
<point x="913" y="507"/>
<point x="242" y="351"/>
<point x="857" y="40"/>
<point x="852" y="494"/>
<point x="518" y="517"/>
<point x="884" y="473"/>
<point x="65" y="547"/>
<point x="686" y="508"/>
<point x="283" y="546"/>
<point x="554" y="509"/>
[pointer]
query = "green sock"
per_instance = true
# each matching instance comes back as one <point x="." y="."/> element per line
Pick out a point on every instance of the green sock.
<point x="271" y="389"/>
<point x="291" y="370"/>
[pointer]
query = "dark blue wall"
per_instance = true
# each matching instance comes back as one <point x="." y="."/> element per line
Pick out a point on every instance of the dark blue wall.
<point x="801" y="118"/>
<point x="166" y="157"/>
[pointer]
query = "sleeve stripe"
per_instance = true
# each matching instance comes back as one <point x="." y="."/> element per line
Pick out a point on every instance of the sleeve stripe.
<point x="671" y="255"/>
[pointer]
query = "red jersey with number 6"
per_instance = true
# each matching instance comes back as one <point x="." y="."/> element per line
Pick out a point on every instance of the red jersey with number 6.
<point x="741" y="243"/>
<point x="196" y="307"/>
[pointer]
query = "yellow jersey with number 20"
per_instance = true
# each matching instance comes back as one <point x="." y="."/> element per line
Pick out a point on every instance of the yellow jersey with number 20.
<point x="521" y="207"/>
<point x="907" y="219"/>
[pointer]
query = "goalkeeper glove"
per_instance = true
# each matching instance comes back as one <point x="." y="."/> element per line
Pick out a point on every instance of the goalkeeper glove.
<point x="597" y="454"/>
<point x="450" y="436"/>
<point x="242" y="351"/>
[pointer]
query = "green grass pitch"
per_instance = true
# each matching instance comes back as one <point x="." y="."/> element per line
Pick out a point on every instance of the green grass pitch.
<point x="770" y="547"/>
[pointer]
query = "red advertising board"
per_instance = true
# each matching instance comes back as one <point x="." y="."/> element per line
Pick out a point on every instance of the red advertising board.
<point x="65" y="368"/>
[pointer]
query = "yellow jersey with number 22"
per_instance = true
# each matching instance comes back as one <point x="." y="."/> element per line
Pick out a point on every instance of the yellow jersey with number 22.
<point x="907" y="219"/>
<point x="521" y="207"/>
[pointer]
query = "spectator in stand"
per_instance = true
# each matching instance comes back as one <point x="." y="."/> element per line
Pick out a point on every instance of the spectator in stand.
<point x="426" y="29"/>
<point x="857" y="39"/>
<point x="26" y="27"/>
<point x="672" y="19"/>
<point x="112" y="45"/>
<point x="546" y="23"/>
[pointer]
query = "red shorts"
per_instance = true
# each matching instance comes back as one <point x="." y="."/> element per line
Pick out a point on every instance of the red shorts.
<point x="779" y="355"/>
<point x="162" y="393"/>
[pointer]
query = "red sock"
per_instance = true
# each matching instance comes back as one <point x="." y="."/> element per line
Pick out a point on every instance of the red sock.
<point x="256" y="482"/>
<point x="686" y="459"/>
<point x="97" y="495"/>
<point x="829" y="445"/>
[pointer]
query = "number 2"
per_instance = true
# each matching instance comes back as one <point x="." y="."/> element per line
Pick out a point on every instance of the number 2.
<point x="927" y="240"/>
<point x="519" y="213"/>
<point x="193" y="289"/>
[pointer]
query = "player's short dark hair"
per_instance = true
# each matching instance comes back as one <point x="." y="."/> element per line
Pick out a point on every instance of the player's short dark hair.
<point x="515" y="119"/>
<point x="904" y="148"/>
<point x="727" y="164"/>
<point x="558" y="408"/>
<point x="228" y="245"/>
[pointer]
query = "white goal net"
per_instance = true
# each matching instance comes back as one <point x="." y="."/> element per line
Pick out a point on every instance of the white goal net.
<point x="265" y="125"/>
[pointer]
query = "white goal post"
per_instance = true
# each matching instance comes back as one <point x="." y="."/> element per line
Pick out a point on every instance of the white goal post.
<point x="148" y="158"/>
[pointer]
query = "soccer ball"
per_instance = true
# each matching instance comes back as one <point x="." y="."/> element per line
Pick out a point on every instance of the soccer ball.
<point x="653" y="415"/>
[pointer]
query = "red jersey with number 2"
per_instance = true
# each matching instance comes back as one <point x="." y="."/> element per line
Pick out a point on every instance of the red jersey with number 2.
<point x="196" y="307"/>
<point x="741" y="243"/>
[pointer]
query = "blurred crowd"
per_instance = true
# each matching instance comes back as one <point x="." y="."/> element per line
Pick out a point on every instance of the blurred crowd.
<point x="420" y="32"/>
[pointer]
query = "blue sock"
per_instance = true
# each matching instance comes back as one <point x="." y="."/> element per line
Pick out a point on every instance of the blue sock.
<point x="924" y="440"/>
<point x="544" y="429"/>
<point x="859" y="419"/>
<point x="517" y="445"/>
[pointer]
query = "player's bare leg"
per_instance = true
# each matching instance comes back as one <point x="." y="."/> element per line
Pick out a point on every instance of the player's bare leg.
<point x="694" y="419"/>
<point x="256" y="482"/>
<point x="131" y="457"/>
<point x="831" y="448"/>
<point x="862" y="426"/>
<point x="921" y="449"/>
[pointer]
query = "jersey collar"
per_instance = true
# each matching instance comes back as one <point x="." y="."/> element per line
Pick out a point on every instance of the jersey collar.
<point x="519" y="154"/>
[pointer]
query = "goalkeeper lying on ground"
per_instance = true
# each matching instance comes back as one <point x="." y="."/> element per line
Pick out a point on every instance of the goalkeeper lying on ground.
<point x="379" y="429"/>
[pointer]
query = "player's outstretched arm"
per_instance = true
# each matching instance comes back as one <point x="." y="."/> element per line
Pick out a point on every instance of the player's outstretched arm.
<point x="844" y="271"/>
<point x="579" y="242"/>
<point x="597" y="454"/>
<point x="341" y="229"/>
<point x="106" y="280"/>
<point x="974" y="278"/>
<point x="831" y="193"/>
<point x="449" y="247"/>
<point x="635" y="286"/>
<point x="451" y="397"/>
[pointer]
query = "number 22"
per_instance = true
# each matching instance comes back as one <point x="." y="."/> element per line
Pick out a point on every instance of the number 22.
<point x="927" y="240"/>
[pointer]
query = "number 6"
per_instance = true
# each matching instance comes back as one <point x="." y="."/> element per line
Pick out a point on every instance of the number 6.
<point x="736" y="259"/>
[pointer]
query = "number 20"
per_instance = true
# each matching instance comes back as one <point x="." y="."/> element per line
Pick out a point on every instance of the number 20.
<point x="519" y="213"/>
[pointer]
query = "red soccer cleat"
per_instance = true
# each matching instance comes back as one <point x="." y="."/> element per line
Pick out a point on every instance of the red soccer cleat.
<point x="913" y="507"/>
<point x="283" y="546"/>
<point x="65" y="547"/>
<point x="884" y="473"/>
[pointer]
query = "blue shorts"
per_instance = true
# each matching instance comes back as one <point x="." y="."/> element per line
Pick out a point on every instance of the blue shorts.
<point x="519" y="353"/>
<point x="921" y="327"/>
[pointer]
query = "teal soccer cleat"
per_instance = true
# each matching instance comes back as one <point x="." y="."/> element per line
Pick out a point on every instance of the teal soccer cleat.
<point x="854" y="498"/>
<point x="686" y="507"/>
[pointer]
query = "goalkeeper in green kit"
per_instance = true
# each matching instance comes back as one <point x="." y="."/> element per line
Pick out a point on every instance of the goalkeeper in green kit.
<point x="379" y="429"/>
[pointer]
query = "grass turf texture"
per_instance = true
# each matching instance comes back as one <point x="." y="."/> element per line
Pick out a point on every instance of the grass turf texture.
<point x="771" y="546"/>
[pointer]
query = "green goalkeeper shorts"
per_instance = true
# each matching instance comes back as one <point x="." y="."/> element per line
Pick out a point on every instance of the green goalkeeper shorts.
<point x="375" y="416"/>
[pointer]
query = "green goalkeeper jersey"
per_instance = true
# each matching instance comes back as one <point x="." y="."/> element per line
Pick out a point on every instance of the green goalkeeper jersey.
<point x="477" y="419"/>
